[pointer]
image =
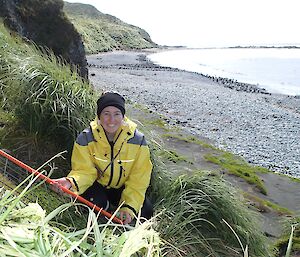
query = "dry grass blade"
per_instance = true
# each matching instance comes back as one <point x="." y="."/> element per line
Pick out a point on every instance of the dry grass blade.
<point x="290" y="243"/>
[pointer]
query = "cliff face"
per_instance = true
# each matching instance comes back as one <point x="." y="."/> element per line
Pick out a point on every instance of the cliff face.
<point x="44" y="22"/>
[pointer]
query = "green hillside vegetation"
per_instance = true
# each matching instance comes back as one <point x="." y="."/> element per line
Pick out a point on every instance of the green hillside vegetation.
<point x="44" y="104"/>
<point x="103" y="32"/>
<point x="41" y="97"/>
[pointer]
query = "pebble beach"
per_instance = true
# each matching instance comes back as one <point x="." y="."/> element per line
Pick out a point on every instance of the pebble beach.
<point x="263" y="128"/>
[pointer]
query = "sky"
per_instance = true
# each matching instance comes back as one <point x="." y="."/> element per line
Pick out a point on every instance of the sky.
<point x="209" y="23"/>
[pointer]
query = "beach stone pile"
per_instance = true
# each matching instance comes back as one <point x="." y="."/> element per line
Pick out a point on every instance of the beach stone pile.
<point x="261" y="127"/>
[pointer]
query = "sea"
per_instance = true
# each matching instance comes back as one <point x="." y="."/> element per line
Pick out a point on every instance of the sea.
<point x="275" y="69"/>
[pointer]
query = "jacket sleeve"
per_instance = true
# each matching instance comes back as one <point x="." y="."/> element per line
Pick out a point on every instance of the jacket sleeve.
<point x="137" y="183"/>
<point x="83" y="173"/>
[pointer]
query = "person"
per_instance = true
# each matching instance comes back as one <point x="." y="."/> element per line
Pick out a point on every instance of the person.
<point x="110" y="163"/>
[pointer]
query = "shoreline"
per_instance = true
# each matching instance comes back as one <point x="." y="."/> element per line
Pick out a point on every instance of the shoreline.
<point x="262" y="128"/>
<point x="233" y="82"/>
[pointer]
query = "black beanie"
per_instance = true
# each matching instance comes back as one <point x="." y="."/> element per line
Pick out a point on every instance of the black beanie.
<point x="111" y="99"/>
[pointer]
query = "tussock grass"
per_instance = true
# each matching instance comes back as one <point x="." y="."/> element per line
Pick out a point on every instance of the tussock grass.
<point x="44" y="93"/>
<point x="194" y="210"/>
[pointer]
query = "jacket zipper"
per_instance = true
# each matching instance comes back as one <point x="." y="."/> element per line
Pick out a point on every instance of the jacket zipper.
<point x="112" y="158"/>
<point x="112" y="162"/>
<point x="120" y="175"/>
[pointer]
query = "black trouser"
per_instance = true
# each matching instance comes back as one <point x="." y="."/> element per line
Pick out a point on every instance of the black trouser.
<point x="106" y="198"/>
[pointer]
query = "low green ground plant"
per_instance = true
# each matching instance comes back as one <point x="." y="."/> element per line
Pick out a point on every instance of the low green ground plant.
<point x="190" y="139"/>
<point x="159" y="123"/>
<point x="263" y="205"/>
<point x="239" y="167"/>
<point x="174" y="157"/>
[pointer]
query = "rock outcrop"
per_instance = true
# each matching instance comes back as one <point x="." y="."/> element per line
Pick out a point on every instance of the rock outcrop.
<point x="44" y="22"/>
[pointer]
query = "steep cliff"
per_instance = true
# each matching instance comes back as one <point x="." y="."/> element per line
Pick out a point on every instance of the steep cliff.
<point x="44" y="22"/>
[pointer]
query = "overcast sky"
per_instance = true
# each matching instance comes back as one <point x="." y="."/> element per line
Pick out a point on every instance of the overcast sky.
<point x="209" y="23"/>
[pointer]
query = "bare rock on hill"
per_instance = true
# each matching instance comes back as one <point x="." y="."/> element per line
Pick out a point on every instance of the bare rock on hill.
<point x="44" y="22"/>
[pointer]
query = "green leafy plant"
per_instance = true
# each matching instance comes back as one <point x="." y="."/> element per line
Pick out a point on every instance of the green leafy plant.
<point x="26" y="230"/>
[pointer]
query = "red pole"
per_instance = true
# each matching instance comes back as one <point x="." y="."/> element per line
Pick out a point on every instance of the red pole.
<point x="51" y="182"/>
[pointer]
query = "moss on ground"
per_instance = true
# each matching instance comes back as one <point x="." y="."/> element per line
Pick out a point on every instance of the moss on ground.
<point x="174" y="157"/>
<point x="230" y="162"/>
<point x="190" y="139"/>
<point x="263" y="205"/>
<point x="159" y="123"/>
<point x="238" y="167"/>
<point x="291" y="178"/>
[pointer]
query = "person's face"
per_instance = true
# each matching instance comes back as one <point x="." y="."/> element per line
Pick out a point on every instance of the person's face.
<point x="111" y="119"/>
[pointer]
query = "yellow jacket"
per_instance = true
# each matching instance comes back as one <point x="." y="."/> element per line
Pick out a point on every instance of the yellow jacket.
<point x="125" y="162"/>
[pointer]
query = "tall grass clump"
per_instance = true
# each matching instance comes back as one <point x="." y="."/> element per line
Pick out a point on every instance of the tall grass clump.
<point x="45" y="94"/>
<point x="195" y="212"/>
<point x="200" y="214"/>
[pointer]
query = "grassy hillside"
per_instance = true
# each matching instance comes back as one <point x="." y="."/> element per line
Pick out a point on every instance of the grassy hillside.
<point x="102" y="32"/>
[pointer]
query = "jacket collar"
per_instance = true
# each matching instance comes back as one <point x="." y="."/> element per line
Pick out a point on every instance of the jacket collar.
<point x="126" y="130"/>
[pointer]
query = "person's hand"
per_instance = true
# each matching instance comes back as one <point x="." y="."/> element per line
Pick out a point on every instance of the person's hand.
<point x="125" y="217"/>
<point x="64" y="182"/>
